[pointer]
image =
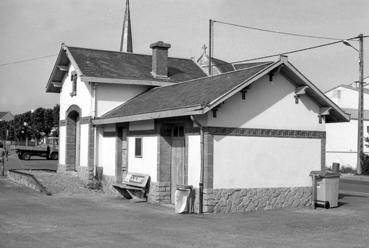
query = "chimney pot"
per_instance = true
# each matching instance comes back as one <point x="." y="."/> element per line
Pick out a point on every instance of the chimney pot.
<point x="160" y="59"/>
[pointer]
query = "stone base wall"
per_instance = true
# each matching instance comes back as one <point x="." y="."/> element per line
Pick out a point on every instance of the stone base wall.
<point x="159" y="192"/>
<point x="107" y="185"/>
<point x="245" y="200"/>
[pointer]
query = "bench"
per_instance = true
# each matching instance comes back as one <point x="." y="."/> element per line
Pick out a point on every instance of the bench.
<point x="134" y="186"/>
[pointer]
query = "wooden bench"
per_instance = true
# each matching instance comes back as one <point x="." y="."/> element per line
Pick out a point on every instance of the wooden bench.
<point x="134" y="186"/>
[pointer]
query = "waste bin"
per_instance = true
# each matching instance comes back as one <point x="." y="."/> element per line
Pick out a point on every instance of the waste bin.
<point x="325" y="189"/>
<point x="183" y="199"/>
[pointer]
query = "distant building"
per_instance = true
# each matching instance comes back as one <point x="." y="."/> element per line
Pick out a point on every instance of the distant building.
<point x="6" y="116"/>
<point x="342" y="137"/>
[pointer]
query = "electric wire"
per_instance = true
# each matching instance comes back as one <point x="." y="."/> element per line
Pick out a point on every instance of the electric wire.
<point x="276" y="32"/>
<point x="28" y="60"/>
<point x="288" y="52"/>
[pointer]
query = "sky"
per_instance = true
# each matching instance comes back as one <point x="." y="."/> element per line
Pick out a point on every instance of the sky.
<point x="35" y="28"/>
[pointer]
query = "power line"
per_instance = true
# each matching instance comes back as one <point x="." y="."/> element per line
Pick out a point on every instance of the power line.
<point x="288" y="52"/>
<point x="28" y="60"/>
<point x="277" y="32"/>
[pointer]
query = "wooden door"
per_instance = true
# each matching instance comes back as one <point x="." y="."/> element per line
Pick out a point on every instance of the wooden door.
<point x="177" y="164"/>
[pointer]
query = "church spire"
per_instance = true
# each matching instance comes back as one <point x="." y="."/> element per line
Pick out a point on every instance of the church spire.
<point x="126" y="41"/>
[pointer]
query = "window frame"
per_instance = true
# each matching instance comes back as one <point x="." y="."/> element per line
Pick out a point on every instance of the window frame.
<point x="138" y="147"/>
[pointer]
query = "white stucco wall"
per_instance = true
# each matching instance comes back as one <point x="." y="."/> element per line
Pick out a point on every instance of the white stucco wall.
<point x="258" y="162"/>
<point x="62" y="144"/>
<point x="194" y="160"/>
<point x="83" y="150"/>
<point x="346" y="98"/>
<point x="142" y="125"/>
<point x="341" y="143"/>
<point x="146" y="164"/>
<point x="106" y="148"/>
<point x="81" y="99"/>
<point x="268" y="105"/>
<point x="110" y="96"/>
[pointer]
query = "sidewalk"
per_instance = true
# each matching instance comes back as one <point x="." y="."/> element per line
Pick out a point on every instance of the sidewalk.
<point x="355" y="177"/>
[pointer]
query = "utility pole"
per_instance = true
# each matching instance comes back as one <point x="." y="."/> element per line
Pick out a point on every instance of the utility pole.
<point x="211" y="26"/>
<point x="360" y="149"/>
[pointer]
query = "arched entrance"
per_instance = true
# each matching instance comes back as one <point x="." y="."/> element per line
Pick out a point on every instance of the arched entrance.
<point x="72" y="138"/>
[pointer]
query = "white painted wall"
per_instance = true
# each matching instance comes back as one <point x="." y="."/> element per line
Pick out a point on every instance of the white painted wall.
<point x="83" y="146"/>
<point x="106" y="148"/>
<point x="146" y="164"/>
<point x="258" y="162"/>
<point x="142" y="125"/>
<point x="341" y="143"/>
<point x="268" y="105"/>
<point x="110" y="96"/>
<point x="82" y="99"/>
<point x="346" y="98"/>
<point x="62" y="144"/>
<point x="194" y="160"/>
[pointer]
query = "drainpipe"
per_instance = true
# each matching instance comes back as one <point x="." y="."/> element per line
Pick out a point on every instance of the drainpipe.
<point x="201" y="183"/>
<point x="94" y="103"/>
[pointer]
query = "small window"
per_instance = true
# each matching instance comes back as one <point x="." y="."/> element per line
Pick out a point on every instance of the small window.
<point x="178" y="131"/>
<point x="138" y="147"/>
<point x="73" y="78"/>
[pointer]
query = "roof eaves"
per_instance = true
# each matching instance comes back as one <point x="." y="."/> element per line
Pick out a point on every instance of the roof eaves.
<point x="125" y="81"/>
<point x="345" y="116"/>
<point x="49" y="82"/>
<point x="183" y="111"/>
<point x="245" y="83"/>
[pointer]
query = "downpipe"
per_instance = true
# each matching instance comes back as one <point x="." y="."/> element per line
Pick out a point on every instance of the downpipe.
<point x="201" y="183"/>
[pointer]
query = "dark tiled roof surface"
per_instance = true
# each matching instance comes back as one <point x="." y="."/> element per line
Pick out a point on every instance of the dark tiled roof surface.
<point x="111" y="64"/>
<point x="196" y="92"/>
<point x="3" y="114"/>
<point x="248" y="65"/>
<point x="222" y="65"/>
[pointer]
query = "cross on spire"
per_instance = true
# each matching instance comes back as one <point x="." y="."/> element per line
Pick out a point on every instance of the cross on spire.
<point x="126" y="41"/>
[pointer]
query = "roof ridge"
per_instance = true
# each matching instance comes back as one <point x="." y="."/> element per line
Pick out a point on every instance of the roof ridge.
<point x="215" y="76"/>
<point x="120" y="52"/>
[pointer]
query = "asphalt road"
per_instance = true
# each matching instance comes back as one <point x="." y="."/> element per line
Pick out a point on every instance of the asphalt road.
<point x="34" y="163"/>
<point x="31" y="219"/>
<point x="354" y="186"/>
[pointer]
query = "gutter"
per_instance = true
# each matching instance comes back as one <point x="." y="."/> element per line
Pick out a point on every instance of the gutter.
<point x="201" y="183"/>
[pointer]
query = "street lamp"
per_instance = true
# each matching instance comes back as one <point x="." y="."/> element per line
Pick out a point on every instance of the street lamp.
<point x="360" y="124"/>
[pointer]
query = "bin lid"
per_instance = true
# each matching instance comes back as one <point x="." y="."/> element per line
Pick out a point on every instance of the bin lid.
<point x="184" y="187"/>
<point x="324" y="174"/>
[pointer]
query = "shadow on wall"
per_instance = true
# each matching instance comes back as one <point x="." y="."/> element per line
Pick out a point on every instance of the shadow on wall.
<point x="261" y="96"/>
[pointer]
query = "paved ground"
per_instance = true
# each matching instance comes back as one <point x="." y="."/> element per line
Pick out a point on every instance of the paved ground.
<point x="31" y="219"/>
<point x="35" y="163"/>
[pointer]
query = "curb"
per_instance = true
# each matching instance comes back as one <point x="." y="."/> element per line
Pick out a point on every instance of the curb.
<point x="27" y="180"/>
<point x="353" y="193"/>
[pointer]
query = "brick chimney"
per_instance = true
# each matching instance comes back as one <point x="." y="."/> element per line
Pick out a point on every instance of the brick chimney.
<point x="160" y="59"/>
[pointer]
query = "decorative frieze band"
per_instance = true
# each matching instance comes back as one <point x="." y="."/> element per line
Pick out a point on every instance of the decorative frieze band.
<point x="259" y="132"/>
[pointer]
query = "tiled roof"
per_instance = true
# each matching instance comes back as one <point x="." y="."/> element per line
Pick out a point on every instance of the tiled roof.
<point x="3" y="114"/>
<point x="187" y="94"/>
<point x="120" y="65"/>
<point x="248" y="65"/>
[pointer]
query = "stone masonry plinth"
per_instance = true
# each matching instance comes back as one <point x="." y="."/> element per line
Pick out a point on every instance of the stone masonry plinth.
<point x="159" y="192"/>
<point x="245" y="200"/>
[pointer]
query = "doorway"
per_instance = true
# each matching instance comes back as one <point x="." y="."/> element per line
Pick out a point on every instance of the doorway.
<point x="178" y="159"/>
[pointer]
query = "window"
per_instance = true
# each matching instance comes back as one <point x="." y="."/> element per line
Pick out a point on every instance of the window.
<point x="178" y="131"/>
<point x="337" y="94"/>
<point x="73" y="78"/>
<point x="138" y="147"/>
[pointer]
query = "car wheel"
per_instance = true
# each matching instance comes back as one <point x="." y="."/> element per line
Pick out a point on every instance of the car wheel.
<point x="54" y="156"/>
<point x="26" y="156"/>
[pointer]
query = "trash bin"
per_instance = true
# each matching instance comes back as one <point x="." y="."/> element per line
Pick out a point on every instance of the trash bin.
<point x="183" y="202"/>
<point x="325" y="189"/>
